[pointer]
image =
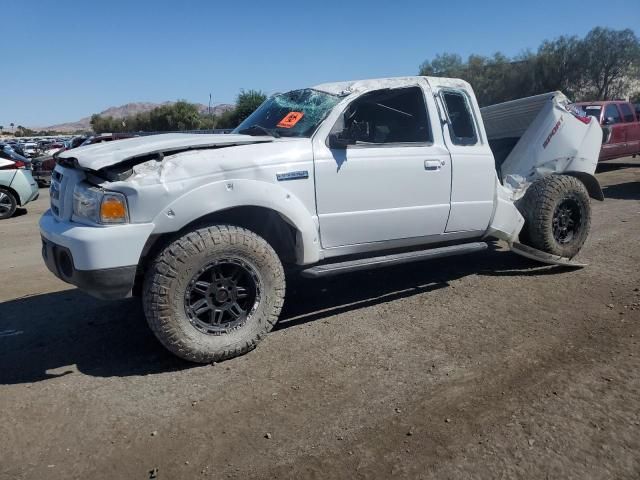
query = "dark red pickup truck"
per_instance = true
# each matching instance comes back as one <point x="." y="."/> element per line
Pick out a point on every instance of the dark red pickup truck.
<point x="620" y="125"/>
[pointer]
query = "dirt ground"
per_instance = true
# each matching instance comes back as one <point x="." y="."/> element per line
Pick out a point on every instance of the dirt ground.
<point x="482" y="366"/>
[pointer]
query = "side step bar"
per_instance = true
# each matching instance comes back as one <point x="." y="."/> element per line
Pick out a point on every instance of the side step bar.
<point x="395" y="259"/>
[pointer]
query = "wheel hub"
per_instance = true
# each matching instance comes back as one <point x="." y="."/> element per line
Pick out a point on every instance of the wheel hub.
<point x="567" y="219"/>
<point x="222" y="295"/>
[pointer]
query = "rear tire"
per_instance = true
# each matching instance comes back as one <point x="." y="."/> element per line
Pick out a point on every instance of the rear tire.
<point x="214" y="293"/>
<point x="557" y="215"/>
<point x="8" y="203"/>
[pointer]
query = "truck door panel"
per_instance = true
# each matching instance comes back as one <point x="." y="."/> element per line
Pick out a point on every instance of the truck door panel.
<point x="393" y="183"/>
<point x="612" y="120"/>
<point x="632" y="129"/>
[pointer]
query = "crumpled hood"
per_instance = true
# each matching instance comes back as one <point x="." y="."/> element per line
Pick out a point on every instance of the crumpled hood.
<point x="101" y="155"/>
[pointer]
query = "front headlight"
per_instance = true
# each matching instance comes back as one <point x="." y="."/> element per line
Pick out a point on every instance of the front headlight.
<point x="99" y="206"/>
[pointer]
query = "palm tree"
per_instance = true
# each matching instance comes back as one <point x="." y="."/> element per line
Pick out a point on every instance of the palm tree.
<point x="11" y="125"/>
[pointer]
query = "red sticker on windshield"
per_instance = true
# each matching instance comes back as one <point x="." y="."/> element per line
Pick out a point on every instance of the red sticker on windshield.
<point x="290" y="119"/>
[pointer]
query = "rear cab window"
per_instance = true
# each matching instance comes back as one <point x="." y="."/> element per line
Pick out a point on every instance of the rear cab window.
<point x="462" y="127"/>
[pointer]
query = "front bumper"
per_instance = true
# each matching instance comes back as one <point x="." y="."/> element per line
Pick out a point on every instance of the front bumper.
<point x="100" y="260"/>
<point x="107" y="284"/>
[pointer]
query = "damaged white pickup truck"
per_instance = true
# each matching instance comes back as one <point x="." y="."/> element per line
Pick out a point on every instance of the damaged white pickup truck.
<point x="331" y="179"/>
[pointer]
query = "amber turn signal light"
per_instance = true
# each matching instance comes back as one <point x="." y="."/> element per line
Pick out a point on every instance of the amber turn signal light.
<point x="113" y="209"/>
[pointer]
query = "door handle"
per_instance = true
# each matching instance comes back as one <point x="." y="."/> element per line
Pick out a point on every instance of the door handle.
<point x="433" y="164"/>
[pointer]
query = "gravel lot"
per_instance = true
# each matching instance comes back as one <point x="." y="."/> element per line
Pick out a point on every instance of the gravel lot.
<point x="483" y="366"/>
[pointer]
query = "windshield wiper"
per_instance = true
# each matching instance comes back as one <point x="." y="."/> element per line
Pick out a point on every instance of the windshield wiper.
<point x="257" y="129"/>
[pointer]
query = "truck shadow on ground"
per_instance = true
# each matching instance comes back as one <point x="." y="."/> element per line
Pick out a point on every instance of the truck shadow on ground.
<point x="623" y="191"/>
<point x="51" y="335"/>
<point x="611" y="166"/>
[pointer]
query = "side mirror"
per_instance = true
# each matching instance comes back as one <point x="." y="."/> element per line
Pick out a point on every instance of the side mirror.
<point x="609" y="121"/>
<point x="340" y="140"/>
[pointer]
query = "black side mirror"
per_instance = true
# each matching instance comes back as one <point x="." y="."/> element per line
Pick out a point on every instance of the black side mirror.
<point x="340" y="140"/>
<point x="609" y="121"/>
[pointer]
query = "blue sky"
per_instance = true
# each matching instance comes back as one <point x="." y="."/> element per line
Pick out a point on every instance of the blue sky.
<point x="64" y="60"/>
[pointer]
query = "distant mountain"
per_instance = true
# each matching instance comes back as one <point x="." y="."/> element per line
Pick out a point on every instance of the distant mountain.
<point x="125" y="111"/>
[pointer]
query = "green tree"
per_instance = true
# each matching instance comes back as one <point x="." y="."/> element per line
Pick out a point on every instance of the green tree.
<point x="180" y="116"/>
<point x="559" y="65"/>
<point x="610" y="57"/>
<point x="600" y="66"/>
<point x="246" y="103"/>
<point x="445" y="64"/>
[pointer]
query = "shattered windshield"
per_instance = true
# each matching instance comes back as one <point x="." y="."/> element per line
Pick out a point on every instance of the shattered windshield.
<point x="293" y="114"/>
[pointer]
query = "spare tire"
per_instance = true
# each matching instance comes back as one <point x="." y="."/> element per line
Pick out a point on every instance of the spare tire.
<point x="557" y="215"/>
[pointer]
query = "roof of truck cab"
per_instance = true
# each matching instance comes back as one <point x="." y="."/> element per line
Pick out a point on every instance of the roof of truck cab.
<point x="354" y="86"/>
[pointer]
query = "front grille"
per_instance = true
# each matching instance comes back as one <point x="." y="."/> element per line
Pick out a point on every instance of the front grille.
<point x="56" y="193"/>
<point x="63" y="182"/>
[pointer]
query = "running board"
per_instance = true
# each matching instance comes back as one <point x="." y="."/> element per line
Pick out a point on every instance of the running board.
<point x="388" y="260"/>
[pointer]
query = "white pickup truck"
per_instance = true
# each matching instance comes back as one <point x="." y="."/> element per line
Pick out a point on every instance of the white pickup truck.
<point x="324" y="180"/>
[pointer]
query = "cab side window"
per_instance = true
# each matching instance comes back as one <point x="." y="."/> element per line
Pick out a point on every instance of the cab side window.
<point x="611" y="115"/>
<point x="627" y="113"/>
<point x="462" y="126"/>
<point x="386" y="117"/>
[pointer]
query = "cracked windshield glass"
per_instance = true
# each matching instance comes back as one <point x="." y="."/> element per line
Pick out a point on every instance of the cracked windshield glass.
<point x="293" y="114"/>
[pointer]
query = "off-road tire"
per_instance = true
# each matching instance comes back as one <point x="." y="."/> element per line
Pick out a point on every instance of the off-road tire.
<point x="169" y="275"/>
<point x="541" y="203"/>
<point x="12" y="203"/>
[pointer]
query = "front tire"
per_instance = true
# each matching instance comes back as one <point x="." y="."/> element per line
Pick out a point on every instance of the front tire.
<point x="557" y="215"/>
<point x="8" y="203"/>
<point x="214" y="293"/>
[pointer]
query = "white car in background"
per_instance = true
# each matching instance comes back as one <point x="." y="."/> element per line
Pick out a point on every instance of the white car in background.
<point x="17" y="188"/>
<point x="29" y="148"/>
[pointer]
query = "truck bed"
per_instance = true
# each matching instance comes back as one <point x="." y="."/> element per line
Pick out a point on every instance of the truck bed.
<point x="538" y="135"/>
<point x="505" y="123"/>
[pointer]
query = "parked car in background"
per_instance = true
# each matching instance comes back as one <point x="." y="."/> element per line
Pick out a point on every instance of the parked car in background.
<point x="17" y="187"/>
<point x="29" y="149"/>
<point x="42" y="168"/>
<point x="7" y="152"/>
<point x="53" y="147"/>
<point x="18" y="148"/>
<point x="620" y="127"/>
<point x="75" y="142"/>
